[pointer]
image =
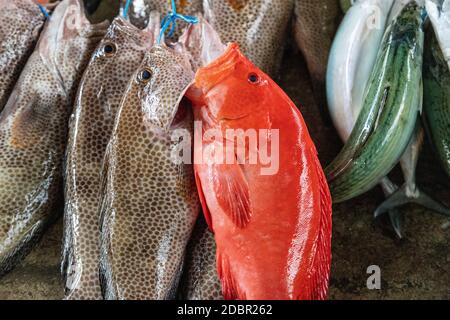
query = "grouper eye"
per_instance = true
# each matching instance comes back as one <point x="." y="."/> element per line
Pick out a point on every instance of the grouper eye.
<point x="145" y="76"/>
<point x="253" y="78"/>
<point x="109" y="49"/>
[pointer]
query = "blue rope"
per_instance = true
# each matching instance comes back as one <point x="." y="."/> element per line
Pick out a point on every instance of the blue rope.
<point x="126" y="9"/>
<point x="43" y="10"/>
<point x="170" y="20"/>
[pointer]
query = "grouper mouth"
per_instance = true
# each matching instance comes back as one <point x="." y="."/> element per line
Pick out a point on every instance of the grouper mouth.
<point x="67" y="22"/>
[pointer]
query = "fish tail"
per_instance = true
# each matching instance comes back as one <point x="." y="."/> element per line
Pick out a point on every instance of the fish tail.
<point x="403" y="196"/>
<point x="14" y="255"/>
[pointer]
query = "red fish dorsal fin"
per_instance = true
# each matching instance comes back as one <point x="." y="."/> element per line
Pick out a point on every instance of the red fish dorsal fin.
<point x="322" y="259"/>
<point x="232" y="193"/>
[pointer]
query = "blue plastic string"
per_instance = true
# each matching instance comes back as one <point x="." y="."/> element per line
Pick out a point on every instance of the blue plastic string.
<point x="43" y="10"/>
<point x="170" y="20"/>
<point x="126" y="9"/>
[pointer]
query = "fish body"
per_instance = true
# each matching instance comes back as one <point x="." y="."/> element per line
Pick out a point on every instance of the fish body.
<point x="436" y="104"/>
<point x="351" y="60"/>
<point x="387" y="119"/>
<point x="105" y="80"/>
<point x="316" y="22"/>
<point x="21" y="23"/>
<point x="440" y="19"/>
<point x="150" y="203"/>
<point x="272" y="230"/>
<point x="200" y="280"/>
<point x="259" y="26"/>
<point x="346" y="4"/>
<point x="33" y="130"/>
<point x="139" y="11"/>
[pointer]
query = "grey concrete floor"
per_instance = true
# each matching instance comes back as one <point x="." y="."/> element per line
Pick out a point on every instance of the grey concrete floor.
<point x="416" y="267"/>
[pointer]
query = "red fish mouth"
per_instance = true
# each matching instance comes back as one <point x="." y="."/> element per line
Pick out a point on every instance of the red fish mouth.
<point x="207" y="77"/>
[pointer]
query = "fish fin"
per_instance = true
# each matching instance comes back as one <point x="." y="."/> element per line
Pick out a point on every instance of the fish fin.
<point x="403" y="196"/>
<point x="201" y="195"/>
<point x="232" y="193"/>
<point x="230" y="290"/>
<point x="322" y="259"/>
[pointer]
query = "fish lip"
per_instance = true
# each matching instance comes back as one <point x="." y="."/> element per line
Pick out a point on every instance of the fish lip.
<point x="209" y="76"/>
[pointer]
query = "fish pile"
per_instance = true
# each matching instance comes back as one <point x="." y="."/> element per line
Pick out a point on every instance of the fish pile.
<point x="376" y="93"/>
<point x="183" y="170"/>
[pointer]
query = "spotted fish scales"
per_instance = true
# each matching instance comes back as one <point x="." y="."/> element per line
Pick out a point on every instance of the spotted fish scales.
<point x="259" y="26"/>
<point x="33" y="130"/>
<point x="105" y="80"/>
<point x="21" y="23"/>
<point x="150" y="202"/>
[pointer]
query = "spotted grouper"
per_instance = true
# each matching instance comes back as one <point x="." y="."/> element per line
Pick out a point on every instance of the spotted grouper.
<point x="316" y="22"/>
<point x="259" y="26"/>
<point x="150" y="203"/>
<point x="33" y="130"/>
<point x="21" y="22"/>
<point x="105" y="80"/>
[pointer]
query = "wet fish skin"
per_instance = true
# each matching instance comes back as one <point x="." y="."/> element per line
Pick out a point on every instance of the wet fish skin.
<point x="150" y="203"/>
<point x="33" y="130"/>
<point x="436" y="107"/>
<point x="440" y="19"/>
<point x="352" y="56"/>
<point x="140" y="10"/>
<point x="104" y="81"/>
<point x="316" y="22"/>
<point x="388" y="116"/>
<point x="254" y="215"/>
<point x="200" y="280"/>
<point x="259" y="26"/>
<point x="21" y="23"/>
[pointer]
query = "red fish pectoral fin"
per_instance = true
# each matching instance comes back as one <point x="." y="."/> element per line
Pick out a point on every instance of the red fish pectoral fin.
<point x="322" y="259"/>
<point x="201" y="195"/>
<point x="232" y="193"/>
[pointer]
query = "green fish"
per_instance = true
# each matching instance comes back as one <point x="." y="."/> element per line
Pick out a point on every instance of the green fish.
<point x="388" y="117"/>
<point x="436" y="106"/>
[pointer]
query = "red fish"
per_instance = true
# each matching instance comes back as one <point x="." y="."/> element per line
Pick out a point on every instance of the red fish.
<point x="272" y="226"/>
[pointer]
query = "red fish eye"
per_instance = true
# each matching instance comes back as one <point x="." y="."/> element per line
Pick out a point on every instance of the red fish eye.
<point x="253" y="78"/>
